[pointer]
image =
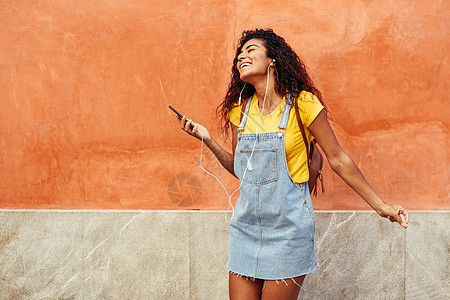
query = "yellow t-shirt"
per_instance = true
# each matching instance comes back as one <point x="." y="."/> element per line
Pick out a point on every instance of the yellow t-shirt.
<point x="309" y="108"/>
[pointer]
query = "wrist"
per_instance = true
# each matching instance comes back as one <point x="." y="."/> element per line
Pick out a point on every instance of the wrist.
<point x="382" y="209"/>
<point x="377" y="204"/>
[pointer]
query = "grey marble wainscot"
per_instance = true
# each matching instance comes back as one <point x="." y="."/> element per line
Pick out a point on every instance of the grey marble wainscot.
<point x="63" y="254"/>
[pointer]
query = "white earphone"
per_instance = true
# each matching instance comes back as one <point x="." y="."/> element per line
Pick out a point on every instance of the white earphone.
<point x="254" y="145"/>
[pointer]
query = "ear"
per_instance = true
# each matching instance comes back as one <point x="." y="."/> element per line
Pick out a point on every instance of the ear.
<point x="272" y="62"/>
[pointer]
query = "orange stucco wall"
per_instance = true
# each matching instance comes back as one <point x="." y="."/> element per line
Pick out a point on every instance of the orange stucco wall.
<point x="85" y="85"/>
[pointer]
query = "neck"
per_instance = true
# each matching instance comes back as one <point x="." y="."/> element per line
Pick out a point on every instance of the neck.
<point x="272" y="98"/>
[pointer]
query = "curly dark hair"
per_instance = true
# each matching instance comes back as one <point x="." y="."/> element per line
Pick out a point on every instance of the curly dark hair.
<point x="290" y="73"/>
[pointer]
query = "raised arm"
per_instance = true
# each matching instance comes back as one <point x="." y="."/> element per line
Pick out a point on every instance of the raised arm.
<point x="226" y="159"/>
<point x="344" y="166"/>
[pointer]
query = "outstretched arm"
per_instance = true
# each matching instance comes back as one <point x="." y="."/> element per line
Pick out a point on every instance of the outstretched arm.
<point x="226" y="159"/>
<point x="344" y="166"/>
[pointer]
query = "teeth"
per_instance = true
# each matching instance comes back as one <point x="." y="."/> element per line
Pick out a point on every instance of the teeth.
<point x="245" y="65"/>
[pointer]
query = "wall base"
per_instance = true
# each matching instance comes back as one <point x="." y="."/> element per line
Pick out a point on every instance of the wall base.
<point x="182" y="255"/>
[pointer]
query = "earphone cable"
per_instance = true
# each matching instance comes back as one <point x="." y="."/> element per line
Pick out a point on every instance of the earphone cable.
<point x="230" y="196"/>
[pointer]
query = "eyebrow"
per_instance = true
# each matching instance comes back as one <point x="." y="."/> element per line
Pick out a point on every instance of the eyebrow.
<point x="251" y="45"/>
<point x="248" y="47"/>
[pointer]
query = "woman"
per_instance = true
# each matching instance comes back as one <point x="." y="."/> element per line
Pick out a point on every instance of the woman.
<point x="272" y="237"/>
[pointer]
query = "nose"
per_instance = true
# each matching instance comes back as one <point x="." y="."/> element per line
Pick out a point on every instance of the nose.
<point x="241" y="56"/>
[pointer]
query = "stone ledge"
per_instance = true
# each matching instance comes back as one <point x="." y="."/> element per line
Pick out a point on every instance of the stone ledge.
<point x="182" y="254"/>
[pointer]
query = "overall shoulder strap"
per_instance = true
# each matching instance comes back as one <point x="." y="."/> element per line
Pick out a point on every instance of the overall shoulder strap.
<point x="285" y="114"/>
<point x="243" y="116"/>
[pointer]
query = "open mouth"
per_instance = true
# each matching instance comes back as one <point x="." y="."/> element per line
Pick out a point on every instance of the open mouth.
<point x="245" y="65"/>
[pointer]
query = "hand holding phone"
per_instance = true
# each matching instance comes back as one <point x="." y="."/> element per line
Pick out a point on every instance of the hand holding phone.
<point x="180" y="116"/>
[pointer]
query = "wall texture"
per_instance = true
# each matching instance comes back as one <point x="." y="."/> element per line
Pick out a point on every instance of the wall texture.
<point x="182" y="255"/>
<point x="84" y="124"/>
<point x="85" y="85"/>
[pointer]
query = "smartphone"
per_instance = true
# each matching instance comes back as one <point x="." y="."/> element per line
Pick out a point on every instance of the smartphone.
<point x="179" y="115"/>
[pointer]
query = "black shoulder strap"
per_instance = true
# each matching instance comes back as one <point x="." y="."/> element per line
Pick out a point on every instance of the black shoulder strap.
<point x="300" y="125"/>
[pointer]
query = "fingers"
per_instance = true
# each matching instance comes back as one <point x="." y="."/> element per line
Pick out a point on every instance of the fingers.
<point x="402" y="216"/>
<point x="183" y="122"/>
<point x="396" y="213"/>
<point x="195" y="129"/>
<point x="188" y="126"/>
<point x="406" y="217"/>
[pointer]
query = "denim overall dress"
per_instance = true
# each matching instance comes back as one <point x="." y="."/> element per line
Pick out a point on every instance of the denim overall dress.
<point x="272" y="231"/>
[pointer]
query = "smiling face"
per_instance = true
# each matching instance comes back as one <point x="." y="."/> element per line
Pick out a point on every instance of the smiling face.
<point x="253" y="61"/>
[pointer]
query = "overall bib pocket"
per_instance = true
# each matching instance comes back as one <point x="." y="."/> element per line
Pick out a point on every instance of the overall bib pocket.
<point x="261" y="173"/>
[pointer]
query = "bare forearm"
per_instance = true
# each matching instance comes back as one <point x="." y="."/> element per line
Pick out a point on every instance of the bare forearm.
<point x="200" y="132"/>
<point x="344" y="166"/>
<point x="226" y="159"/>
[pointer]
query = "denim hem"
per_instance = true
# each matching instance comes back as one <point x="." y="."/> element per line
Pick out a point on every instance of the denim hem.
<point x="273" y="278"/>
